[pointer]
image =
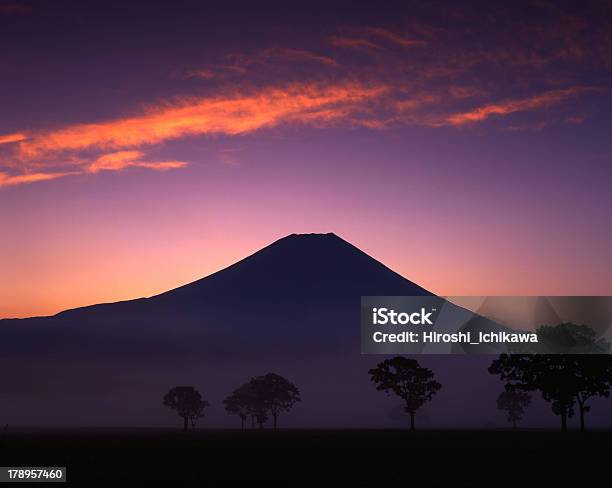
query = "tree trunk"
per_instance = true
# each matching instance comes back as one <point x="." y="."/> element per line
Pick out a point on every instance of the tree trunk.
<point x="513" y="424"/>
<point x="581" y="407"/>
<point x="185" y="423"/>
<point x="274" y="417"/>
<point x="563" y="421"/>
<point x="242" y="423"/>
<point x="412" y="421"/>
<point x="252" y="421"/>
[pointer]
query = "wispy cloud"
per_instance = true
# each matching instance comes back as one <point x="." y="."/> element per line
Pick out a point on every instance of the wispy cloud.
<point x="228" y="115"/>
<point x="419" y="75"/>
<point x="125" y="159"/>
<point x="20" y="179"/>
<point x="399" y="39"/>
<point x="353" y="43"/>
<point x="107" y="162"/>
<point x="295" y="55"/>
<point x="484" y="112"/>
<point x="119" y="142"/>
<point x="9" y="138"/>
<point x="239" y="64"/>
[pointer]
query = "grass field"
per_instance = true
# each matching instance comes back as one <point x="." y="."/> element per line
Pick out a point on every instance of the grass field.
<point x="106" y="457"/>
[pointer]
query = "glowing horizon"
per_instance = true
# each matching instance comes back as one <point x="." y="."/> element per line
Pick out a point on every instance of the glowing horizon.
<point x="471" y="158"/>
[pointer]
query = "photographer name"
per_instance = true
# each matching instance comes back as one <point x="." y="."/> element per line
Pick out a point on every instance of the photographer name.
<point x="456" y="337"/>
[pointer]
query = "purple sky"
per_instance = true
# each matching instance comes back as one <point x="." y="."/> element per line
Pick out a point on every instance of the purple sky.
<point x="142" y="147"/>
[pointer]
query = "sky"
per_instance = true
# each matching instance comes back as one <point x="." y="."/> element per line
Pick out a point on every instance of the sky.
<point x="466" y="146"/>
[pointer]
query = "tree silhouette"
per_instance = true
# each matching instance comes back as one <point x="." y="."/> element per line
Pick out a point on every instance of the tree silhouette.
<point x="255" y="403"/>
<point x="570" y="338"/>
<point x="592" y="377"/>
<point x="270" y="393"/>
<point x="551" y="374"/>
<point x="277" y="393"/>
<point x="239" y="403"/>
<point x="514" y="403"/>
<point x="411" y="382"/>
<point x="588" y="358"/>
<point x="261" y="417"/>
<point x="188" y="403"/>
<point x="579" y="370"/>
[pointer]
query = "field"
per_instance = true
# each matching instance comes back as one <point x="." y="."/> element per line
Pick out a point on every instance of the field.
<point x="103" y="457"/>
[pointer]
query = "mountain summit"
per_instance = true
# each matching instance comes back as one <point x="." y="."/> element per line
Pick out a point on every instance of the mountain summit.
<point x="285" y="291"/>
<point x="297" y="269"/>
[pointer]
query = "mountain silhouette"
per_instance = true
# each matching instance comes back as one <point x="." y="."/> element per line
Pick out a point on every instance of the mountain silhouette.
<point x="303" y="289"/>
<point x="300" y="269"/>
<point x="293" y="307"/>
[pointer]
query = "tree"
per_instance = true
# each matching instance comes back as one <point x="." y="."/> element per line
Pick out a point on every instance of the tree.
<point x="514" y="403"/>
<point x="277" y="393"/>
<point x="238" y="403"/>
<point x="550" y="374"/>
<point x="255" y="403"/>
<point x="569" y="369"/>
<point x="588" y="357"/>
<point x="188" y="403"/>
<point x="570" y="338"/>
<point x="270" y="393"/>
<point x="573" y="366"/>
<point x="411" y="382"/>
<point x="593" y="377"/>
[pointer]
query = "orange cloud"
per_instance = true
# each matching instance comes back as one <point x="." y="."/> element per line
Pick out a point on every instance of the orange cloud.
<point x="160" y="165"/>
<point x="114" y="161"/>
<point x="9" y="180"/>
<point x="230" y="115"/>
<point x="8" y="138"/>
<point x="123" y="159"/>
<point x="107" y="162"/>
<point x="505" y="108"/>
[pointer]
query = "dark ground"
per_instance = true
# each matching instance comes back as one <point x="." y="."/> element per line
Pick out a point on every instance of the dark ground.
<point x="107" y="457"/>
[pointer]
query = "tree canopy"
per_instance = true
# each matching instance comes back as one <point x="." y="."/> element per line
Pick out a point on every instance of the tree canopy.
<point x="263" y="395"/>
<point x="570" y="338"/>
<point x="278" y="394"/>
<point x="514" y="404"/>
<point x="563" y="380"/>
<point x="188" y="403"/>
<point x="408" y="380"/>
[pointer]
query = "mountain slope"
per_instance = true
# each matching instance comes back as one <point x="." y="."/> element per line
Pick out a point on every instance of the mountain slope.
<point x="297" y="269"/>
<point x="301" y="292"/>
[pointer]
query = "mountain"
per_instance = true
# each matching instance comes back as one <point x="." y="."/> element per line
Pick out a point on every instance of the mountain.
<point x="295" y="270"/>
<point x="282" y="292"/>
<point x="292" y="307"/>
